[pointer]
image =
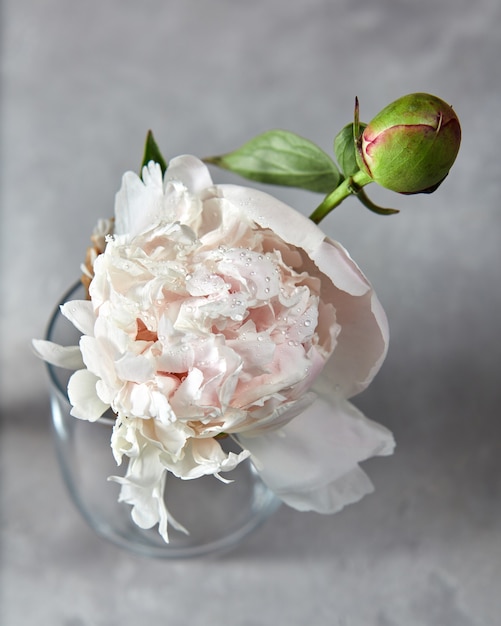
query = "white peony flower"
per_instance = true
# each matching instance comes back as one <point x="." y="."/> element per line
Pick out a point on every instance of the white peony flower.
<point x="217" y="309"/>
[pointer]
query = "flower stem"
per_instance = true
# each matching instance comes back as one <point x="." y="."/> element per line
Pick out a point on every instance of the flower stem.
<point x="351" y="185"/>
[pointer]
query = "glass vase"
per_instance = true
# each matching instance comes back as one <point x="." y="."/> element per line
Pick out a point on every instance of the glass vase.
<point x="217" y="515"/>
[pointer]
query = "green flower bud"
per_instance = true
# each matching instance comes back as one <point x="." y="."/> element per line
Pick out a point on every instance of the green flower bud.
<point x="410" y="146"/>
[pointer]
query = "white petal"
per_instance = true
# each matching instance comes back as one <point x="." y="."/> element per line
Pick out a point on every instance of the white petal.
<point x="189" y="170"/>
<point x="347" y="489"/>
<point x="136" y="368"/>
<point x="99" y="359"/>
<point x="83" y="396"/>
<point x="187" y="395"/>
<point x="138" y="204"/>
<point x="81" y="315"/>
<point x="203" y="457"/>
<point x="143" y="488"/>
<point x="68" y="357"/>
<point x="312" y="463"/>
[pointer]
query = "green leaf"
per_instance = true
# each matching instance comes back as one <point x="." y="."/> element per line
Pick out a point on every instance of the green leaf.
<point x="152" y="153"/>
<point x="279" y="157"/>
<point x="344" y="149"/>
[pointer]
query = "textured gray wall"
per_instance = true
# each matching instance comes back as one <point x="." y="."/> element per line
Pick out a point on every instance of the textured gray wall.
<point x="81" y="84"/>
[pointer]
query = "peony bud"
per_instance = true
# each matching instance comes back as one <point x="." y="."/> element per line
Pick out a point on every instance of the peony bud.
<point x="410" y="146"/>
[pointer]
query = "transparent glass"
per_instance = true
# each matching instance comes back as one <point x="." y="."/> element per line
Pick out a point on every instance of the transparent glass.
<point x="217" y="515"/>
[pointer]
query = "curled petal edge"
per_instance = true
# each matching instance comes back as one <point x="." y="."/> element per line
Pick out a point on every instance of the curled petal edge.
<point x="312" y="463"/>
<point x="83" y="397"/>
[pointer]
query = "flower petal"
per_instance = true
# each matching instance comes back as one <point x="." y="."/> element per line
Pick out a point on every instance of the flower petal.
<point x="81" y="314"/>
<point x="68" y="357"/>
<point x="347" y="489"/>
<point x="139" y="205"/>
<point x="300" y="231"/>
<point x="312" y="462"/>
<point x="204" y="457"/>
<point x="268" y="212"/>
<point x="83" y="396"/>
<point x="361" y="347"/>
<point x="143" y="487"/>
<point x="190" y="171"/>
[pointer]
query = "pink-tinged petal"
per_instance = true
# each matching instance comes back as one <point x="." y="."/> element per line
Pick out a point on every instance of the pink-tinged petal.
<point x="267" y="421"/>
<point x="288" y="368"/>
<point x="83" y="396"/>
<point x="310" y="463"/>
<point x="361" y="347"/>
<point x="81" y="314"/>
<point x="296" y="229"/>
<point x="334" y="261"/>
<point x="268" y="212"/>
<point x="190" y="171"/>
<point x="68" y="357"/>
<point x="363" y="341"/>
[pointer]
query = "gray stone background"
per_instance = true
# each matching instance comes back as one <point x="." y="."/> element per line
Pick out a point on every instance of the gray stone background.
<point x="81" y="84"/>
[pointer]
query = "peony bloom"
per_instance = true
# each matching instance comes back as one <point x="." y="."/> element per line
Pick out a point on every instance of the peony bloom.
<point x="217" y="309"/>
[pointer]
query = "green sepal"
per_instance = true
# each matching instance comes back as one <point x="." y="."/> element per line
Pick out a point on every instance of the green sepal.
<point x="152" y="153"/>
<point x="345" y="151"/>
<point x="279" y="157"/>
<point x="367" y="202"/>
